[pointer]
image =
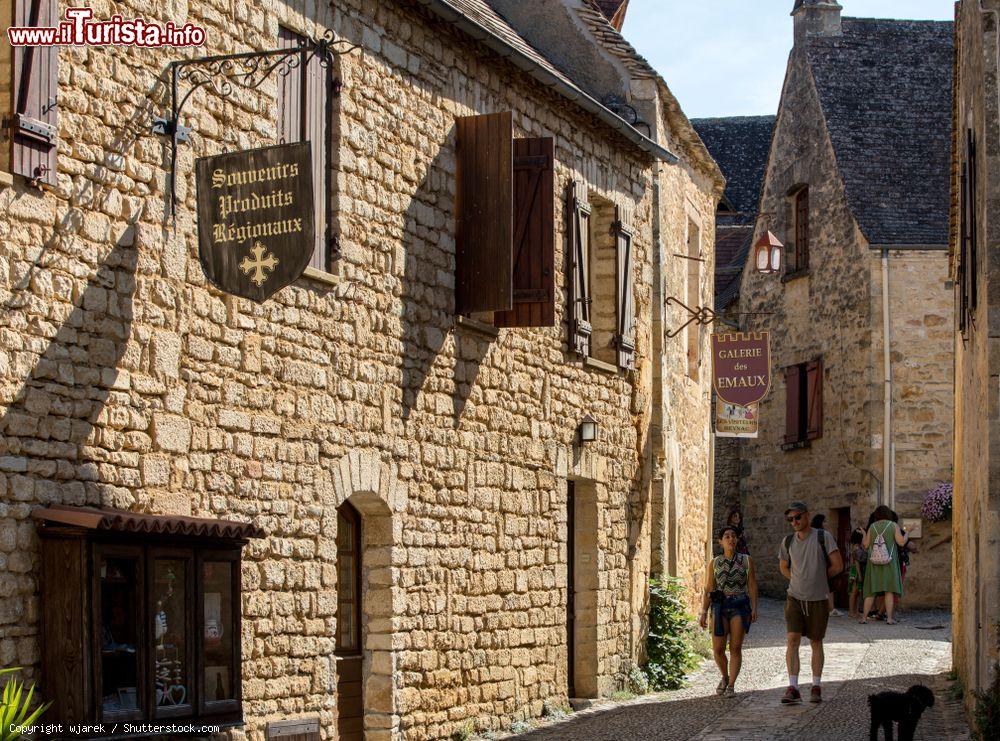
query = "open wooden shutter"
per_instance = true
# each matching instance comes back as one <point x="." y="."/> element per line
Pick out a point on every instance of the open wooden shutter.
<point x="792" y="404"/>
<point x="484" y="209"/>
<point x="972" y="271"/>
<point x="534" y="237"/>
<point x="814" y="399"/>
<point x="578" y="213"/>
<point x="625" y="301"/>
<point x="304" y="115"/>
<point x="34" y="126"/>
<point x="961" y="287"/>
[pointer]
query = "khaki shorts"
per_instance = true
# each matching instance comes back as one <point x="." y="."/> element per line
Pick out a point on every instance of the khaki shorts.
<point x="807" y="618"/>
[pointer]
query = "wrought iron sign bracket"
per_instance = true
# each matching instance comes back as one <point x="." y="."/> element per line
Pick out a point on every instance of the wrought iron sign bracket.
<point x="225" y="73"/>
<point x="701" y="315"/>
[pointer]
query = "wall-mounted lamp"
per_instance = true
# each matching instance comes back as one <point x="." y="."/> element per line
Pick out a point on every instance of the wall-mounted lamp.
<point x="587" y="431"/>
<point x="767" y="253"/>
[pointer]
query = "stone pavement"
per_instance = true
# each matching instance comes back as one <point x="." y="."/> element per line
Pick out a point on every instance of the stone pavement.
<point x="860" y="660"/>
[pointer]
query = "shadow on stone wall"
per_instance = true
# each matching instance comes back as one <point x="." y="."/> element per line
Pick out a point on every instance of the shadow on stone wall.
<point x="428" y="295"/>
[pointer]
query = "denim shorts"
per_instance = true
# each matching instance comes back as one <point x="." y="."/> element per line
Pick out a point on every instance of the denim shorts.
<point x="731" y="607"/>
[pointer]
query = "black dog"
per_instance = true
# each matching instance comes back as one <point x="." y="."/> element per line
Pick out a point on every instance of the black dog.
<point x="904" y="707"/>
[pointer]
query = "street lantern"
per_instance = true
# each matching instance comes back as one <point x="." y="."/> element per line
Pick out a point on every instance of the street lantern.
<point x="767" y="253"/>
<point x="587" y="430"/>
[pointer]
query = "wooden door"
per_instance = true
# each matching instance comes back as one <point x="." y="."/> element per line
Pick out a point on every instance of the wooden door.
<point x="350" y="700"/>
<point x="840" y="594"/>
<point x="570" y="589"/>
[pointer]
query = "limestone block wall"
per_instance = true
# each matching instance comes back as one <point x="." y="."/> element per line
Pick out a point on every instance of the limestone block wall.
<point x="822" y="312"/>
<point x="126" y="380"/>
<point x="976" y="519"/>
<point x="922" y="356"/>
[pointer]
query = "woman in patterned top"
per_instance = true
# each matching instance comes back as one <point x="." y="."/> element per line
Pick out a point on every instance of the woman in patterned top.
<point x="731" y="591"/>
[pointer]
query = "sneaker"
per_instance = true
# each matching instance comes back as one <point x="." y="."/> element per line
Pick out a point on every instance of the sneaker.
<point x="791" y="697"/>
<point x="835" y="612"/>
<point x="723" y="683"/>
<point x="730" y="692"/>
<point x="815" y="694"/>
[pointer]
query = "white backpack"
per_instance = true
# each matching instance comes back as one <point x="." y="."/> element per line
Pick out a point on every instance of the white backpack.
<point x="880" y="555"/>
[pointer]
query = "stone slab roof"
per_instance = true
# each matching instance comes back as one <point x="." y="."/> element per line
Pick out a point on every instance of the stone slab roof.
<point x="885" y="89"/>
<point x="732" y="246"/>
<point x="740" y="144"/>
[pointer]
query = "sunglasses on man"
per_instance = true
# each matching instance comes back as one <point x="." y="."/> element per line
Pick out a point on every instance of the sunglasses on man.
<point x="795" y="518"/>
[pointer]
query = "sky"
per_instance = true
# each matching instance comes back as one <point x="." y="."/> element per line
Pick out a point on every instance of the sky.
<point x="727" y="57"/>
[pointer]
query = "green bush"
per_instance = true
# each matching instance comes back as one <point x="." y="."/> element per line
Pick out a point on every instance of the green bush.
<point x="15" y="708"/>
<point x="987" y="713"/>
<point x="669" y="647"/>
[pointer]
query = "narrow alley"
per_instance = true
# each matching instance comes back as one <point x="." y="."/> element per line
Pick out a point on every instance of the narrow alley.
<point x="860" y="660"/>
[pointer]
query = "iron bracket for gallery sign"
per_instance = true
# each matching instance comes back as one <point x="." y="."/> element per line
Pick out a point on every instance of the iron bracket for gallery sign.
<point x="225" y="73"/>
<point x="701" y="315"/>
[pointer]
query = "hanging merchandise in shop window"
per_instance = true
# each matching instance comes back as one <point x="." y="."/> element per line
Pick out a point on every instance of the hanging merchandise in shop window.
<point x="140" y="619"/>
<point x="255" y="218"/>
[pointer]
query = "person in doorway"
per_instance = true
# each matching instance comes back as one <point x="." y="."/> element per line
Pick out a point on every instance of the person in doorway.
<point x="735" y="520"/>
<point x="883" y="541"/>
<point x="808" y="558"/>
<point x="817" y="523"/>
<point x="731" y="593"/>
<point x="858" y="559"/>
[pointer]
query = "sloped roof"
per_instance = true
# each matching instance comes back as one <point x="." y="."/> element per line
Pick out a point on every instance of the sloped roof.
<point x="732" y="246"/>
<point x="740" y="144"/>
<point x="885" y="89"/>
<point x="614" y="11"/>
<point x="483" y="23"/>
<point x="94" y="518"/>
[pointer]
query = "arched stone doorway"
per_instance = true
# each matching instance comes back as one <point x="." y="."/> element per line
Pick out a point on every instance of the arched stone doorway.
<point x="372" y="488"/>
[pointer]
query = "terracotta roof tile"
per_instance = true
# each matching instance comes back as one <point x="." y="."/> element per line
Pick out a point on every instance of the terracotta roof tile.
<point x="92" y="518"/>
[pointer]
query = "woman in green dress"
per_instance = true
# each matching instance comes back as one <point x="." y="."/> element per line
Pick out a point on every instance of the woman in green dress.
<point x="883" y="541"/>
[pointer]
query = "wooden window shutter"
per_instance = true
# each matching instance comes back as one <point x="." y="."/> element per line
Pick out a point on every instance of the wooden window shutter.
<point x="802" y="229"/>
<point x="578" y="214"/>
<point x="814" y="400"/>
<point x="484" y="213"/>
<point x="34" y="126"/>
<point x="972" y="268"/>
<point x="304" y="115"/>
<point x="961" y="287"/>
<point x="625" y="300"/>
<point x="534" y="237"/>
<point x="792" y="403"/>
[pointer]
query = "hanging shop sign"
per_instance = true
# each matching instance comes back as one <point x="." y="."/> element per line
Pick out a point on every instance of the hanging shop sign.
<point x="741" y="367"/>
<point x="733" y="420"/>
<point x="255" y="218"/>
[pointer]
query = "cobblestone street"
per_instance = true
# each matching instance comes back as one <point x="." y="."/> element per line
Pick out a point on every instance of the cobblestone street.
<point x="860" y="660"/>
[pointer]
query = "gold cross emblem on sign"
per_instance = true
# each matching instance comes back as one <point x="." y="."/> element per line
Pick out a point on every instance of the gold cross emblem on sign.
<point x="258" y="264"/>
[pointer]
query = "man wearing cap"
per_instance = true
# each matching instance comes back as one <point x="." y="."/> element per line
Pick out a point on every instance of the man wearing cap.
<point x="807" y="558"/>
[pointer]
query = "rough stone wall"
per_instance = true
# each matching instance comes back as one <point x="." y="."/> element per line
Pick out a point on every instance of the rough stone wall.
<point x="821" y="312"/>
<point x="127" y="381"/>
<point x="976" y="516"/>
<point x="922" y="355"/>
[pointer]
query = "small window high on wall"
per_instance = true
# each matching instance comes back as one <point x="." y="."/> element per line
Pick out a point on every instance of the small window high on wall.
<point x="803" y="403"/>
<point x="798" y="250"/>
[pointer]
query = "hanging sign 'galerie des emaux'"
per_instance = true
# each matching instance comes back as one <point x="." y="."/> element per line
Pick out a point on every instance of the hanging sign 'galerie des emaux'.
<point x="255" y="218"/>
<point x="741" y="366"/>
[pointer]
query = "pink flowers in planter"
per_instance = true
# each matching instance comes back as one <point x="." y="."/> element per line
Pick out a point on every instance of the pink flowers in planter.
<point x="937" y="503"/>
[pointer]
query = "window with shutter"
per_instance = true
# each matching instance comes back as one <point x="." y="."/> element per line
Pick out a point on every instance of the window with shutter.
<point x="972" y="229"/>
<point x="793" y="404"/>
<point x="34" y="124"/>
<point x="534" y="237"/>
<point x="484" y="213"/>
<point x="578" y="210"/>
<point x="814" y="399"/>
<point x="802" y="228"/>
<point x="961" y="287"/>
<point x="304" y="114"/>
<point x="625" y="301"/>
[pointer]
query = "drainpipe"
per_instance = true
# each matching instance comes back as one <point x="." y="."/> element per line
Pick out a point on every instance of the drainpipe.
<point x="888" y="459"/>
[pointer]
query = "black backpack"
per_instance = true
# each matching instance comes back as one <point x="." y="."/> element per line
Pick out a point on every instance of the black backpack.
<point x="819" y="541"/>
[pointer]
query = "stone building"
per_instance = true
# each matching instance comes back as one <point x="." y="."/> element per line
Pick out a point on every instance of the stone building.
<point x="362" y="507"/>
<point x="740" y="144"/>
<point x="975" y="226"/>
<point x="860" y="407"/>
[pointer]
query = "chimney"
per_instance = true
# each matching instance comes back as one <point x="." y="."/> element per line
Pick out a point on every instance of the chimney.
<point x="816" y="18"/>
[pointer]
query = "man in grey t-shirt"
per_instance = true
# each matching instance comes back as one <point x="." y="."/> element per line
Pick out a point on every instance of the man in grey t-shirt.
<point x="807" y="558"/>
